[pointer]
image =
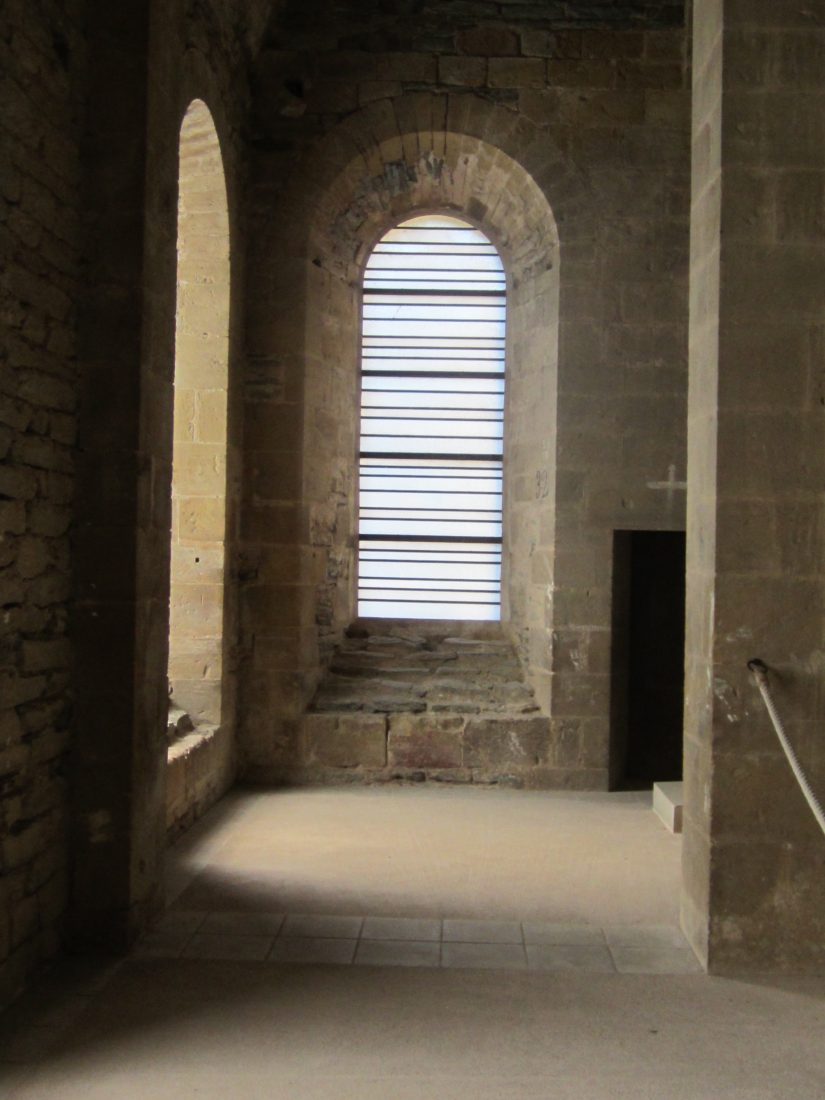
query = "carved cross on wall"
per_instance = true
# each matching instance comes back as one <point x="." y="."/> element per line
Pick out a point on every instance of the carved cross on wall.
<point x="670" y="486"/>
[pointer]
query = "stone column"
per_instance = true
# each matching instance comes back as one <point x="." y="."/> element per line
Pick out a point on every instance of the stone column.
<point x="754" y="888"/>
<point x="126" y="342"/>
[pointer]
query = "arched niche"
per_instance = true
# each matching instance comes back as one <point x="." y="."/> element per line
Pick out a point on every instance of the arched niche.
<point x="199" y="497"/>
<point x="301" y="437"/>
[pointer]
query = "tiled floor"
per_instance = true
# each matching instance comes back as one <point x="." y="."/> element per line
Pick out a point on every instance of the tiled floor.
<point x="499" y="945"/>
<point x="417" y="941"/>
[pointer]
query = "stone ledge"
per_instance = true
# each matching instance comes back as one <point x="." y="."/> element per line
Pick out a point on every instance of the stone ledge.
<point x="200" y="769"/>
<point x="190" y="742"/>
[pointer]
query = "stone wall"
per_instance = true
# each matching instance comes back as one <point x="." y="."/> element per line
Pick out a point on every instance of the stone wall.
<point x="85" y="447"/>
<point x="754" y="858"/>
<point x="355" y="129"/>
<point x="43" y="58"/>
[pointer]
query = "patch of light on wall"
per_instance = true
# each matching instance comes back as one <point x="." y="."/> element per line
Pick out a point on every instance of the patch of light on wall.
<point x="432" y="421"/>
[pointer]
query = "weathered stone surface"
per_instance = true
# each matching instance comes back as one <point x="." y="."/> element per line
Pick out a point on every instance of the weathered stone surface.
<point x="40" y="202"/>
<point x="404" y="672"/>
<point x="425" y="741"/>
<point x="497" y="742"/>
<point x="345" y="741"/>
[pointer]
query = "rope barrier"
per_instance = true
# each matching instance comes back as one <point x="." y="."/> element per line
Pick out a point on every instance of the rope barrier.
<point x="760" y="674"/>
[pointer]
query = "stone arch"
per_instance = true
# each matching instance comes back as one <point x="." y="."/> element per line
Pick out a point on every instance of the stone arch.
<point x="384" y="163"/>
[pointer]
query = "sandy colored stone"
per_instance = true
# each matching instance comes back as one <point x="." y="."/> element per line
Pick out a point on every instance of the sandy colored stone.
<point x="425" y="741"/>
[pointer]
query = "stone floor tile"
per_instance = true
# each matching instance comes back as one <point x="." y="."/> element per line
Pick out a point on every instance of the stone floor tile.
<point x="180" y="920"/>
<point x="205" y="945"/>
<point x="547" y="932"/>
<point x="401" y="928"/>
<point x="12" y="1079"/>
<point x="655" y="960"/>
<point x="28" y="1043"/>
<point x="484" y="956"/>
<point x="570" y="957"/>
<point x="306" y="949"/>
<point x="644" y="935"/>
<point x="162" y="944"/>
<point x="85" y="975"/>
<point x="482" y="931"/>
<point x="398" y="953"/>
<point x="243" y="924"/>
<point x="322" y="926"/>
<point x="53" y="1007"/>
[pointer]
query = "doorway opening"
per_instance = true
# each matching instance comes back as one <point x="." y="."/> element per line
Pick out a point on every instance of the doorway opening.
<point x="648" y="657"/>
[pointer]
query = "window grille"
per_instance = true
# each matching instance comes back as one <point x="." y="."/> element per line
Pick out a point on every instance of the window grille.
<point x="432" y="420"/>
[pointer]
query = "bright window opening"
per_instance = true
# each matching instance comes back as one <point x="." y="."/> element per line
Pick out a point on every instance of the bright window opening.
<point x="432" y="422"/>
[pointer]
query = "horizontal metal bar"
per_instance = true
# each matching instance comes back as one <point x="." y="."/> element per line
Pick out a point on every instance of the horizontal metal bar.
<point x="417" y="292"/>
<point x="479" y="375"/>
<point x="474" y="539"/>
<point x="468" y="456"/>
<point x="447" y="603"/>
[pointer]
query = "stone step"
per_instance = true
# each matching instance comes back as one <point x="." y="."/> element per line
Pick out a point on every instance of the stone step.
<point x="483" y="747"/>
<point x="397" y="692"/>
<point x="398" y="703"/>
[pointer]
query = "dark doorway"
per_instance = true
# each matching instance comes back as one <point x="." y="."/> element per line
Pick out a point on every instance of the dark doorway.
<point x="648" y="657"/>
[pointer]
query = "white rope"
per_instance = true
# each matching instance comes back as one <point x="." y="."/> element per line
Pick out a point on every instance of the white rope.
<point x="760" y="675"/>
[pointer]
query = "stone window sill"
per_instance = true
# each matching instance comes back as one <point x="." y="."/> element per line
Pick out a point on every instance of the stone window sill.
<point x="182" y="746"/>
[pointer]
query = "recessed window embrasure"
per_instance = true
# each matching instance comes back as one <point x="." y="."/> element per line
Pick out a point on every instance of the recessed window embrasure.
<point x="432" y="422"/>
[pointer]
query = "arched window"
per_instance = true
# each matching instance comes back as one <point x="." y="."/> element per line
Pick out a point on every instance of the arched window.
<point x="199" y="451"/>
<point x="432" y="420"/>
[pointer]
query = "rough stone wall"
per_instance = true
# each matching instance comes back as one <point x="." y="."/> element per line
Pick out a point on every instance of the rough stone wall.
<point x="42" y="58"/>
<point x="88" y="229"/>
<point x="754" y="858"/>
<point x="599" y="119"/>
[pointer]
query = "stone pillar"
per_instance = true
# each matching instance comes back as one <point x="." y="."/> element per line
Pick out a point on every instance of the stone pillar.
<point x="122" y="516"/>
<point x="754" y="888"/>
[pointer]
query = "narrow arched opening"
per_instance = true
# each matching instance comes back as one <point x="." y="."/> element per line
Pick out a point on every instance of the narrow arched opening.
<point x="199" y="460"/>
<point x="432" y="423"/>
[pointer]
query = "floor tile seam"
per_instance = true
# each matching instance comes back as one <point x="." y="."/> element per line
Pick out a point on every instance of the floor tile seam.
<point x="528" y="964"/>
<point x="282" y="932"/>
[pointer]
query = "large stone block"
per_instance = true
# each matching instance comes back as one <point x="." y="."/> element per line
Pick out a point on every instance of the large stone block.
<point x="494" y="742"/>
<point x="425" y="741"/>
<point x="470" y="71"/>
<point x="516" y="72"/>
<point x="346" y="741"/>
